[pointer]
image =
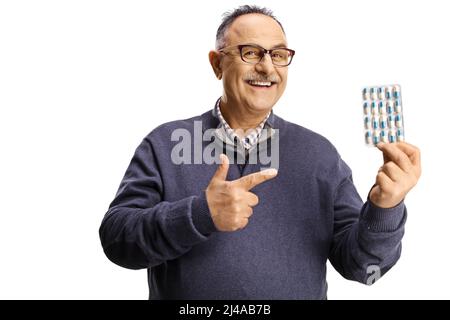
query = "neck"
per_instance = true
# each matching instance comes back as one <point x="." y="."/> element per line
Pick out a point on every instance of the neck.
<point x="237" y="118"/>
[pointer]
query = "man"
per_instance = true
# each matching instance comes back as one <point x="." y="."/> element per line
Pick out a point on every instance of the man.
<point x="235" y="231"/>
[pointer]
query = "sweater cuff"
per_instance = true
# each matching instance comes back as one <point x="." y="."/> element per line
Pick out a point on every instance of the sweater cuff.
<point x="383" y="219"/>
<point x="201" y="217"/>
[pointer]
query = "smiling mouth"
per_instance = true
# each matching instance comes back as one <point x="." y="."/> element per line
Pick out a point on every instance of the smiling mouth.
<point x="260" y="84"/>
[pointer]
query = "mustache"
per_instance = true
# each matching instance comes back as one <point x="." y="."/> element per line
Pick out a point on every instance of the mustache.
<point x="261" y="77"/>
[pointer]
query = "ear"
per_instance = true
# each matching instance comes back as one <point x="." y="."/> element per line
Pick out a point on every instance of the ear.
<point x="214" y="60"/>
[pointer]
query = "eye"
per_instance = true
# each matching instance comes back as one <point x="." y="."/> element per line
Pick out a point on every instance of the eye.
<point x="279" y="54"/>
<point x="251" y="53"/>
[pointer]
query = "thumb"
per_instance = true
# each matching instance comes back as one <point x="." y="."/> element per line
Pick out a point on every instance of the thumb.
<point x="222" y="171"/>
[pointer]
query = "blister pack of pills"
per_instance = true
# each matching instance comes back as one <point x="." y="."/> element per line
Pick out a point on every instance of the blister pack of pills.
<point x="383" y="114"/>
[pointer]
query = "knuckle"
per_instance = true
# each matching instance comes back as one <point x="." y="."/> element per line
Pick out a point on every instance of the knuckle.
<point x="234" y="208"/>
<point x="234" y="228"/>
<point x="398" y="158"/>
<point x="410" y="168"/>
<point x="388" y="165"/>
<point x="234" y="196"/>
<point x="236" y="221"/>
<point x="251" y="180"/>
<point x="237" y="193"/>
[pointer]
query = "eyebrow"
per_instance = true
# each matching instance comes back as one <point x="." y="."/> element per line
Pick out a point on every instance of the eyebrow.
<point x="280" y="45"/>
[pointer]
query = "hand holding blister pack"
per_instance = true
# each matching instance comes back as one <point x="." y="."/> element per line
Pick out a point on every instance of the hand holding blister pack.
<point x="383" y="114"/>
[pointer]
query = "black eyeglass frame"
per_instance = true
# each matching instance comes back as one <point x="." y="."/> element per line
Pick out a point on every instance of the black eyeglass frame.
<point x="264" y="52"/>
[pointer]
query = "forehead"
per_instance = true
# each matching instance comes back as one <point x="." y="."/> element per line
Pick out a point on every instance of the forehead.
<point x="255" y="28"/>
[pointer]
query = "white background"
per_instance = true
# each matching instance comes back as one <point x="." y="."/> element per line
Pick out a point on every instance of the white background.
<point x="82" y="82"/>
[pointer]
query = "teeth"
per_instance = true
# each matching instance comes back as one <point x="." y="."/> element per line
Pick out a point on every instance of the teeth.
<point x="260" y="83"/>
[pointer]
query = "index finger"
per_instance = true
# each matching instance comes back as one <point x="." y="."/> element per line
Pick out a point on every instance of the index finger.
<point x="252" y="180"/>
<point x="392" y="152"/>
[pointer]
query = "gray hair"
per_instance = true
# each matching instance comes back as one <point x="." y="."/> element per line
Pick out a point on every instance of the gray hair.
<point x="230" y="16"/>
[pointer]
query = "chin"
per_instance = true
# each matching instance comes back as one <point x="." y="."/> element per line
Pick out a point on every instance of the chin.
<point x="261" y="105"/>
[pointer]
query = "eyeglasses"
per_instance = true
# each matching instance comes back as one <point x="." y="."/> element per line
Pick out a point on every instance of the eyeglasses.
<point x="253" y="54"/>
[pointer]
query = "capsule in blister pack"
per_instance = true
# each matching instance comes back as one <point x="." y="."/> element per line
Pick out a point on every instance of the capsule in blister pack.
<point x="383" y="114"/>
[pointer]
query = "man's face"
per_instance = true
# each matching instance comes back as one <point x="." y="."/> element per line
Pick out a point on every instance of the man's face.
<point x="263" y="31"/>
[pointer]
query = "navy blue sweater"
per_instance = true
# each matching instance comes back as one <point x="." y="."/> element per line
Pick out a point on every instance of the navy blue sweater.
<point x="311" y="212"/>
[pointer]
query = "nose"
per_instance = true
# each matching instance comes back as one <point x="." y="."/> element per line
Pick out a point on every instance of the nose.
<point x="265" y="65"/>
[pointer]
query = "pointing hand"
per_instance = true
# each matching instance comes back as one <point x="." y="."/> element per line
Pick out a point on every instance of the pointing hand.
<point x="231" y="202"/>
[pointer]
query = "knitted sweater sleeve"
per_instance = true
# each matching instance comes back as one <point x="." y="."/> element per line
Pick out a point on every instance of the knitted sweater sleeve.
<point x="367" y="239"/>
<point x="140" y="230"/>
